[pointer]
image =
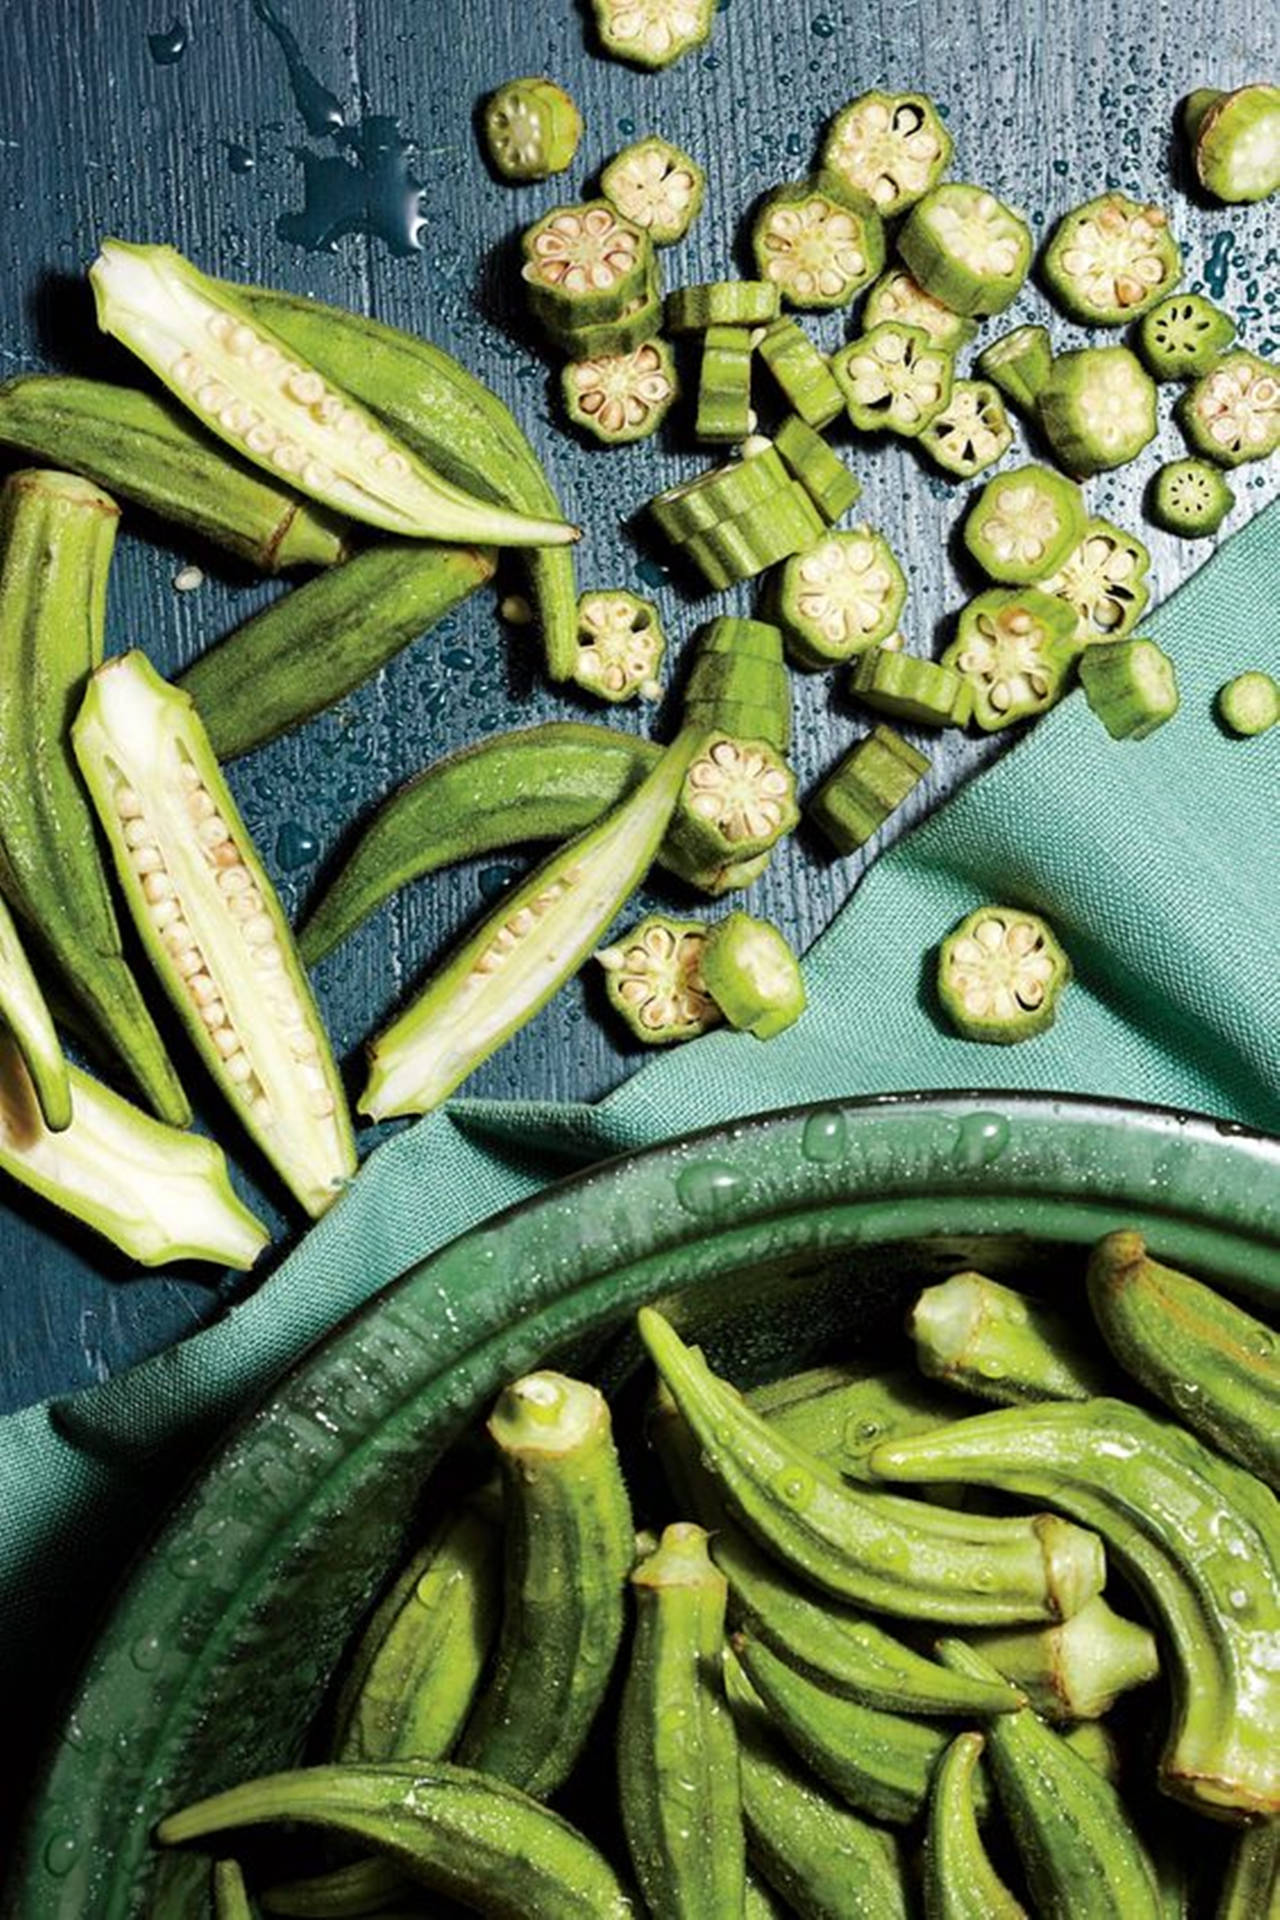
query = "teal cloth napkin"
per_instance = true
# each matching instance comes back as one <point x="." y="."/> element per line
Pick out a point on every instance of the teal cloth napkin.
<point x="1158" y="864"/>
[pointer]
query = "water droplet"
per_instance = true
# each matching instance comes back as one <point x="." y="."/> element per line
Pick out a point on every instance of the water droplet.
<point x="825" y="1137"/>
<point x="239" y="159"/>
<point x="983" y="1137"/>
<point x="794" y="1486"/>
<point x="1217" y="266"/>
<point x="860" y="1436"/>
<point x="653" y="573"/>
<point x="709" y="1187"/>
<point x="822" y="26"/>
<point x="723" y="1434"/>
<point x="296" y="845"/>
<point x="458" y="657"/>
<point x="494" y="881"/>
<point x="60" y="1854"/>
<point x="168" y="47"/>
<point x="991" y="1369"/>
<point x="147" y="1653"/>
<point x="1239" y="1600"/>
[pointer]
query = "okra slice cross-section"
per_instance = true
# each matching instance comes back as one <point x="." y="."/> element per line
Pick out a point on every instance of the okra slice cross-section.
<point x="211" y="923"/>
<point x="1098" y="408"/>
<point x="1236" y="141"/>
<point x="815" y="247"/>
<point x="1111" y="259"/>
<point x="531" y="129"/>
<point x="1249" y="704"/>
<point x="1232" y="414"/>
<point x="584" y="262"/>
<point x="657" y="187"/>
<point x="653" y="979"/>
<point x="966" y="248"/>
<point x="889" y="149"/>
<point x="1103" y="581"/>
<point x="895" y="296"/>
<point x="1131" y="685"/>
<point x="620" y="646"/>
<point x="1000" y="975"/>
<point x="894" y="378"/>
<point x="840" y="598"/>
<point x="652" y="33"/>
<point x="622" y="396"/>
<point x="738" y="799"/>
<point x="1024" y="523"/>
<point x="971" y="433"/>
<point x="1190" y="498"/>
<point x="1181" y="336"/>
<point x="1014" y="647"/>
<point x="753" y="976"/>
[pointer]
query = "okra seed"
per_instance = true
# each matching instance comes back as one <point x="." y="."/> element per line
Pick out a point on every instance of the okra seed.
<point x="226" y="1041"/>
<point x="202" y="989"/>
<point x="243" y="906"/>
<point x="147" y="860"/>
<point x="238" y="1068"/>
<point x="214" y="1014"/>
<point x="264" y="358"/>
<point x="128" y="805"/>
<point x="200" y="805"/>
<point x="189" y="775"/>
<point x="261" y="439"/>
<point x="157" y="886"/>
<point x="258" y="930"/>
<point x="164" y="914"/>
<point x="234" y="879"/>
<point x="305" y="386"/>
<point x="188" y="961"/>
<point x="138" y="833"/>
<point x="267" y="959"/>
<point x="178" y="936"/>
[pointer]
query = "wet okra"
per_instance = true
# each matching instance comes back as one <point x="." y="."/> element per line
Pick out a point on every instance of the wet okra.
<point x="211" y="924"/>
<point x="657" y="187"/>
<point x="971" y="433"/>
<point x="640" y="320"/>
<point x="620" y="646"/>
<point x="1190" y="498"/>
<point x="583" y="262"/>
<point x="924" y="693"/>
<point x="363" y="1886"/>
<point x="752" y="975"/>
<point x="990" y="1340"/>
<point x="1131" y="685"/>
<point x="1103" y="581"/>
<point x="1097" y="409"/>
<point x="842" y="1414"/>
<point x="872" y="780"/>
<point x="26" y="1017"/>
<point x="1077" y="1669"/>
<point x="1013" y="648"/>
<point x="820" y="471"/>
<point x="966" y="248"/>
<point x="1018" y="363"/>
<point x="230" y="1895"/>
<point x="1182" y="335"/>
<point x="652" y="33"/>
<point x="1252" y="1884"/>
<point x="750" y="542"/>
<point x="888" y="148"/>
<point x="724" y="386"/>
<point x="531" y="129"/>
<point x="812" y="242"/>
<point x="1110" y="260"/>
<point x="738" y="673"/>
<point x="653" y="979"/>
<point x="737" y="801"/>
<point x="722" y="303"/>
<point x="840" y="598"/>
<point x="1235" y="141"/>
<point x="801" y="372"/>
<point x="960" y="1882"/>
<point x="1232" y="413"/>
<point x="1249" y="704"/>
<point x="1024" y="524"/>
<point x="1001" y="974"/>
<point x="621" y="397"/>
<point x="895" y="296"/>
<point x="699" y="505"/>
<point x="893" y="379"/>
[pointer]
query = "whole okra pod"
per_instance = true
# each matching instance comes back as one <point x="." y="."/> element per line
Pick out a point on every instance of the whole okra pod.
<point x="960" y="1882"/>
<point x="997" y="1343"/>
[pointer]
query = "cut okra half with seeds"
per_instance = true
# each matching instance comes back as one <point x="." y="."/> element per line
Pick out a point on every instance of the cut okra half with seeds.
<point x="211" y="924"/>
<point x="888" y="148"/>
<point x="622" y="397"/>
<point x="652" y="33"/>
<point x="653" y="979"/>
<point x="894" y="379"/>
<point x="752" y="975"/>
<point x="896" y="296"/>
<point x="248" y="387"/>
<point x="1097" y="409"/>
<point x="620" y="646"/>
<point x="1111" y="259"/>
<point x="966" y="248"/>
<point x="1249" y="704"/>
<point x="840" y="598"/>
<point x="814" y="246"/>
<point x="1232" y="414"/>
<point x="657" y="187"/>
<point x="531" y="129"/>
<point x="583" y="263"/>
<point x="1018" y="363"/>
<point x="1024" y="523"/>
<point x="1001" y="974"/>
<point x="1103" y="581"/>
<point x="1190" y="498"/>
<point x="971" y="433"/>
<point x="1131" y="685"/>
<point x="1182" y="336"/>
<point x="1235" y="139"/>
<point x="1014" y="648"/>
<point x="737" y="801"/>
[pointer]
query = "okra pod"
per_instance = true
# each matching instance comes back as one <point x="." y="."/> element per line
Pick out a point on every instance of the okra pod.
<point x="1077" y="1669"/>
<point x="230" y="1895"/>
<point x="960" y="1882"/>
<point x="455" y="1831"/>
<point x="365" y="1886"/>
<point x="842" y="1414"/>
<point x="1002" y="1345"/>
<point x="1251" y="1890"/>
<point x="306" y="650"/>
<point x="24" y="1013"/>
<point x="57" y="534"/>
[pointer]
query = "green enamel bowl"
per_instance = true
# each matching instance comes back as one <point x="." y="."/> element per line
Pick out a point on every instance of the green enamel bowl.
<point x="770" y="1241"/>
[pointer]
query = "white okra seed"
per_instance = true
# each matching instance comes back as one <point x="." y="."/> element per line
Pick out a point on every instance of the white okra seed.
<point x="258" y="930"/>
<point x="320" y="1103"/>
<point x="128" y="804"/>
<point x="157" y="887"/>
<point x="238" y="1068"/>
<point x="267" y="959"/>
<point x="146" y="860"/>
<point x="164" y="913"/>
<point x="234" y="879"/>
<point x="200" y="804"/>
<point x="188" y="962"/>
<point x="226" y="1041"/>
<point x="188" y="775"/>
<point x="243" y="906"/>
<point x="214" y="1014"/>
<point x="202" y="989"/>
<point x="212" y="830"/>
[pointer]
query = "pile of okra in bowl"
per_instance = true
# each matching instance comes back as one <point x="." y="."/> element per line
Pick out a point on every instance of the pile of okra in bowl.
<point x="865" y="1512"/>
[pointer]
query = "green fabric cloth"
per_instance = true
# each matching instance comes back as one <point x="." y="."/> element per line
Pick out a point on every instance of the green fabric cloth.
<point x="1158" y="864"/>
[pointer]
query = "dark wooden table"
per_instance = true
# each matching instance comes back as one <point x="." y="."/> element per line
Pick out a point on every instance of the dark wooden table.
<point x="117" y="118"/>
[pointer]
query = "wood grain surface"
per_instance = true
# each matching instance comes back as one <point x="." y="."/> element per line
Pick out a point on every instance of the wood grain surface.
<point x="1048" y="105"/>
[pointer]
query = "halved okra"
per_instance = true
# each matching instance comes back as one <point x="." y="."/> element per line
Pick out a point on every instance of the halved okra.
<point x="1024" y="524"/>
<point x="246" y="386"/>
<point x="990" y="1340"/>
<point x="966" y="248"/>
<point x="811" y="241"/>
<point x="1181" y="336"/>
<point x="657" y="187"/>
<point x="888" y="148"/>
<point x="1018" y="363"/>
<point x="872" y="780"/>
<point x="1131" y="685"/>
<point x="893" y="379"/>
<point x="652" y="33"/>
<point x="1098" y="408"/>
<point x="819" y="469"/>
<point x="1103" y="581"/>
<point x="622" y="397"/>
<point x="752" y="975"/>
<point x="1232" y="414"/>
<point x="211" y="923"/>
<point x="531" y="128"/>
<point x="960" y="1882"/>
<point x="583" y="262"/>
<point x="620" y="646"/>
<point x="1235" y="140"/>
<point x="653" y="979"/>
<point x="1001" y="973"/>
<point x="801" y="372"/>
<point x="1249" y="704"/>
<point x="1190" y="498"/>
<point x="1075" y="1670"/>
<point x="971" y="433"/>
<point x="924" y="693"/>
<point x="1110" y="260"/>
<point x="724" y="386"/>
<point x="895" y="296"/>
<point x="840" y="598"/>
<point x="25" y="1015"/>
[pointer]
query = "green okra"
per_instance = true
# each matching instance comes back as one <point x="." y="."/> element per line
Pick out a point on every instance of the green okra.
<point x="1018" y="363"/>
<point x="737" y="800"/>
<point x="894" y="379"/>
<point x="1103" y="582"/>
<point x="147" y="450"/>
<point x="655" y="35"/>
<point x="653" y="979"/>
<point x="1024" y="524"/>
<point x="1014" y="648"/>
<point x="1232" y="413"/>
<point x="583" y="262"/>
<point x="895" y="296"/>
<point x="1131" y="685"/>
<point x="211" y="923"/>
<point x="620" y="646"/>
<point x="888" y="149"/>
<point x="817" y="242"/>
<point x="924" y="693"/>
<point x="569" y="1547"/>
<point x="839" y="598"/>
<point x="901" y="1558"/>
<point x="621" y="397"/>
<point x="1215" y="1365"/>
<point x="966" y="248"/>
<point x="656" y="186"/>
<point x="752" y="975"/>
<point x="57" y="534"/>
<point x="1110" y="260"/>
<point x="759" y="1903"/>
<point x="639" y="321"/>
<point x="1077" y="1669"/>
<point x="960" y="1882"/>
<point x="531" y="129"/>
<point x="872" y="780"/>
<point x="696" y="506"/>
<point x="25" y="1015"/>
<point x="990" y="1340"/>
<point x="230" y="1895"/>
<point x="750" y="542"/>
<point x="1235" y="140"/>
<point x="1182" y="336"/>
<point x="842" y="1413"/>
<point x="821" y="472"/>
<point x="365" y="1886"/>
<point x="455" y="1831"/>
<point x="156" y="1193"/>
<point x="677" y="1750"/>
<point x="1251" y="1889"/>
<point x="307" y="650"/>
<point x="1198" y="1537"/>
<point x="1190" y="498"/>
<point x="1097" y="409"/>
<point x="722" y="303"/>
<point x="1001" y="974"/>
<point x="216" y="355"/>
<point x="510" y="966"/>
<point x="724" y="386"/>
<point x="801" y="372"/>
<point x="971" y="433"/>
<point x="1249" y="704"/>
<point x="1095" y="1742"/>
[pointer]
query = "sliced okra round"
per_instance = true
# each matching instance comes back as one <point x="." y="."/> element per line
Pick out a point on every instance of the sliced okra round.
<point x="722" y="303"/>
<point x="840" y="598"/>
<point x="531" y="129"/>
<point x="1024" y="524"/>
<point x="971" y="433"/>
<point x="653" y="979"/>
<point x="889" y="149"/>
<point x="746" y="545"/>
<point x="818" y="468"/>
<point x="724" y="386"/>
<point x="1018" y="363"/>
<point x="871" y="781"/>
<point x="620" y="646"/>
<point x="801" y="372"/>
<point x="895" y="296"/>
<point x="815" y="247"/>
<point x="1181" y="336"/>
<point x="752" y="975"/>
<point x="1131" y="686"/>
<point x="639" y="321"/>
<point x="738" y="799"/>
<point x="1103" y="581"/>
<point x="966" y="248"/>
<point x="1000" y="975"/>
<point x="924" y="693"/>
<point x="695" y="505"/>
<point x="657" y="187"/>
<point x="1111" y="259"/>
<point x="1232" y="414"/>
<point x="1014" y="647"/>
<point x="1236" y="141"/>
<point x="1190" y="498"/>
<point x="894" y="378"/>
<point x="622" y="396"/>
<point x="584" y="262"/>
<point x="1098" y="408"/>
<point x="1249" y="704"/>
<point x="652" y="33"/>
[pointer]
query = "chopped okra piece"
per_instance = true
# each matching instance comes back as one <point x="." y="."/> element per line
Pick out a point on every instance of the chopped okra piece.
<point x="749" y="639"/>
<point x="1000" y="975"/>
<point x="652" y="33"/>
<point x="894" y="379"/>
<point x="1014" y="648"/>
<point x="1024" y="524"/>
<point x="740" y="548"/>
<point x="653" y="978"/>
<point x="840" y="598"/>
<point x="695" y="505"/>
<point x="722" y="303"/>
<point x="1190" y="498"/>
<point x="531" y="129"/>
<point x="1232" y="414"/>
<point x="620" y="646"/>
<point x="966" y="248"/>
<point x="1182" y="336"/>
<point x="723" y="684"/>
<point x="895" y="296"/>
<point x="1110" y="260"/>
<point x="752" y="975"/>
<point x="1130" y="685"/>
<point x="801" y="371"/>
<point x="815" y="247"/>
<point x="1097" y="408"/>
<point x="1249" y="704"/>
<point x="1235" y="141"/>
<point x="870" y="782"/>
<point x="724" y="385"/>
<point x="1103" y="581"/>
<point x="584" y="263"/>
<point x="818" y="468"/>
<point x="639" y="321"/>
<point x="657" y="187"/>
<point x="889" y="148"/>
<point x="622" y="396"/>
<point x="924" y="693"/>
<point x="1018" y="363"/>
<point x="738" y="799"/>
<point x="971" y="433"/>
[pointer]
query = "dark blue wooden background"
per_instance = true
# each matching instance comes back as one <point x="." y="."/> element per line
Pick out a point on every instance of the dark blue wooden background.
<point x="118" y="117"/>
